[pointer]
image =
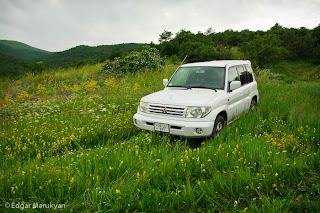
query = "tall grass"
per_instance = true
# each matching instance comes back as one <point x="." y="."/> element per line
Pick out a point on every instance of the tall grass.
<point x="67" y="137"/>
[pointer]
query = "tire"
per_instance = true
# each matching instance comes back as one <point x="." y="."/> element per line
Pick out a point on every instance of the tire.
<point x="218" y="125"/>
<point x="253" y="105"/>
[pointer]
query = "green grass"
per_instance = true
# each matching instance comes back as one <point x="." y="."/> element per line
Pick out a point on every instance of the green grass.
<point x="291" y="71"/>
<point x="67" y="137"/>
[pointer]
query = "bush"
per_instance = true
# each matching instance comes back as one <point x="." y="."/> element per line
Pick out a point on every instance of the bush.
<point x="147" y="58"/>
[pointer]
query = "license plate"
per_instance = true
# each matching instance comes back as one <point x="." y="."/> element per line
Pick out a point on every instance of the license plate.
<point x="161" y="127"/>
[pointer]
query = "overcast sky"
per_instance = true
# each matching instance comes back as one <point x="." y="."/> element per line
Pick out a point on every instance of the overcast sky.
<point x="57" y="25"/>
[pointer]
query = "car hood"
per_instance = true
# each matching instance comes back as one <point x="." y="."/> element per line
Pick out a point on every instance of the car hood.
<point x="183" y="97"/>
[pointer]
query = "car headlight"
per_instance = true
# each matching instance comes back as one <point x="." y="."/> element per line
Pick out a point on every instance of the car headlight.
<point x="143" y="107"/>
<point x="197" y="112"/>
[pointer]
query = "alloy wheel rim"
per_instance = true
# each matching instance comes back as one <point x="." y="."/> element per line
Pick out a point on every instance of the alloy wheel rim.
<point x="219" y="127"/>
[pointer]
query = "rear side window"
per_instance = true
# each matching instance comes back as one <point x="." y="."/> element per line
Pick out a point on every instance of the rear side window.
<point x="249" y="74"/>
<point x="242" y="73"/>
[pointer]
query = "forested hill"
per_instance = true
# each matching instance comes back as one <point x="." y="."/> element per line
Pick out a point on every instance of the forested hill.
<point x="14" y="62"/>
<point x="12" y="66"/>
<point x="21" y="50"/>
<point x="86" y="54"/>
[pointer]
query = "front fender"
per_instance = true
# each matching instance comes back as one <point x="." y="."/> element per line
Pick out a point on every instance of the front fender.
<point x="216" y="111"/>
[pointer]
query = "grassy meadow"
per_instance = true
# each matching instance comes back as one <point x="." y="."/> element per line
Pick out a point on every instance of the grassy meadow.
<point x="67" y="137"/>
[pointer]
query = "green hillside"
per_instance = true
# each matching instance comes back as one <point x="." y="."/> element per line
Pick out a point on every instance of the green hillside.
<point x="85" y="54"/>
<point x="21" y="50"/>
<point x="12" y="66"/>
<point x="17" y="58"/>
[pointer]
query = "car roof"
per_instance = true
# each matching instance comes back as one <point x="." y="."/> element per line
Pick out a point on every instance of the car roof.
<point x="217" y="63"/>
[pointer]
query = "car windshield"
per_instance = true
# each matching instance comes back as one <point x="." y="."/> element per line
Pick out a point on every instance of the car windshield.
<point x="198" y="77"/>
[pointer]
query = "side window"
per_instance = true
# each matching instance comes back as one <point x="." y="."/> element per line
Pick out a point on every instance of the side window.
<point x="242" y="74"/>
<point x="232" y="75"/>
<point x="249" y="74"/>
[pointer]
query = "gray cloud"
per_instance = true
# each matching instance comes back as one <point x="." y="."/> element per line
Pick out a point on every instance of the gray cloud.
<point x="56" y="25"/>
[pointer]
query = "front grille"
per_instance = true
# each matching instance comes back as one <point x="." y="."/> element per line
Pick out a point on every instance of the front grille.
<point x="167" y="110"/>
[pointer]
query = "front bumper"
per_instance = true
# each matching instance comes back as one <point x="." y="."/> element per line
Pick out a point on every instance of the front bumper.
<point x="176" y="127"/>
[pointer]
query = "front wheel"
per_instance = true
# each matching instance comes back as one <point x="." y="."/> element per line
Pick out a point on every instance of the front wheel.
<point x="218" y="126"/>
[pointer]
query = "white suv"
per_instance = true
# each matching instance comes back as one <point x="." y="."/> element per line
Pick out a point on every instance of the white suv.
<point x="199" y="99"/>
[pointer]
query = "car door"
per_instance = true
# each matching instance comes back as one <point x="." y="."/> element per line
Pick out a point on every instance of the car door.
<point x="235" y="103"/>
<point x="245" y="87"/>
<point x="252" y="86"/>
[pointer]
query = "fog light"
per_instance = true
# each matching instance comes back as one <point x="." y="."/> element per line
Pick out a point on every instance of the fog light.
<point x="199" y="131"/>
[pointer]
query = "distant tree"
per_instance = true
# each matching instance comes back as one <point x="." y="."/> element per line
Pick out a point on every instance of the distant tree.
<point x="304" y="45"/>
<point x="276" y="28"/>
<point x="265" y="50"/>
<point x="116" y="52"/>
<point x="165" y="36"/>
<point x="170" y="48"/>
<point x="316" y="34"/>
<point x="209" y="31"/>
<point x="184" y="36"/>
<point x="316" y="54"/>
<point x="219" y="39"/>
<point x="153" y="45"/>
<point x="36" y="68"/>
<point x="245" y="36"/>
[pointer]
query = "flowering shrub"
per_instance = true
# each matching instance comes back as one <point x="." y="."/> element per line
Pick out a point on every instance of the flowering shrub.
<point x="145" y="59"/>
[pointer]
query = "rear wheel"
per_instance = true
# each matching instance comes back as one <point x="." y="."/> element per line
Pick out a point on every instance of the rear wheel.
<point x="218" y="126"/>
<point x="253" y="105"/>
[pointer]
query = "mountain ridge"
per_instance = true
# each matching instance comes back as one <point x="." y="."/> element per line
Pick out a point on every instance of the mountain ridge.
<point x="21" y="50"/>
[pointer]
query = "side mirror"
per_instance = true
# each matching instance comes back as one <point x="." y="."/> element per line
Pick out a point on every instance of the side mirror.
<point x="165" y="82"/>
<point x="235" y="85"/>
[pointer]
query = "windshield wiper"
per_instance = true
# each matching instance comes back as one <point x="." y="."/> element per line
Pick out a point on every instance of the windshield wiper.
<point x="181" y="86"/>
<point x="202" y="87"/>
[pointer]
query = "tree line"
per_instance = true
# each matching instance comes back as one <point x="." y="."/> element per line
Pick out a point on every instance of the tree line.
<point x="261" y="47"/>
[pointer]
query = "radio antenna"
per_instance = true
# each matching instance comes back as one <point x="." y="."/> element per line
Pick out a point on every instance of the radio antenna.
<point x="184" y="59"/>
